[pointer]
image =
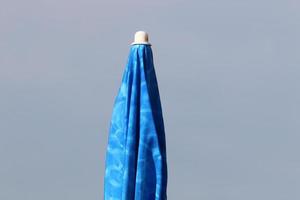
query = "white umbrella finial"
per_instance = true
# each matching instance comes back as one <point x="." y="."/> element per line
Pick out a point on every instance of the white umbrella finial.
<point x="141" y="37"/>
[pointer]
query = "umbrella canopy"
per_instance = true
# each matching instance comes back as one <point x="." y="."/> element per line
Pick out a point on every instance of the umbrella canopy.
<point x="136" y="163"/>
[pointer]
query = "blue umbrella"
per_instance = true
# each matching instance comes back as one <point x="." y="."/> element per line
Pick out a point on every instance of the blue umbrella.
<point x="136" y="163"/>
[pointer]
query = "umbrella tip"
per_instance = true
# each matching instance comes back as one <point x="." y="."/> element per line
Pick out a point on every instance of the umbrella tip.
<point x="141" y="37"/>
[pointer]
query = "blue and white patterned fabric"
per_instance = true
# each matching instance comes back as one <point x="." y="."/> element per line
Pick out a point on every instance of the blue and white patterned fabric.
<point x="136" y="163"/>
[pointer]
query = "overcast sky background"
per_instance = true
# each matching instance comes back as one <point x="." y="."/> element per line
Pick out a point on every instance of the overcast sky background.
<point x="228" y="74"/>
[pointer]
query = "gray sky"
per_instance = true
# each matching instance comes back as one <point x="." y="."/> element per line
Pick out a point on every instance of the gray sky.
<point x="229" y="78"/>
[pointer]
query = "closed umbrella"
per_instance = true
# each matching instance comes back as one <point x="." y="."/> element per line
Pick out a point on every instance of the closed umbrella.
<point x="136" y="163"/>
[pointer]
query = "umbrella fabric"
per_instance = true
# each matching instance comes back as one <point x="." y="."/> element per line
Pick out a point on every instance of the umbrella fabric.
<point x="136" y="166"/>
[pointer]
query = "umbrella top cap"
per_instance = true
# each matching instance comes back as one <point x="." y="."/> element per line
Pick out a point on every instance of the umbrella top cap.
<point x="141" y="37"/>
